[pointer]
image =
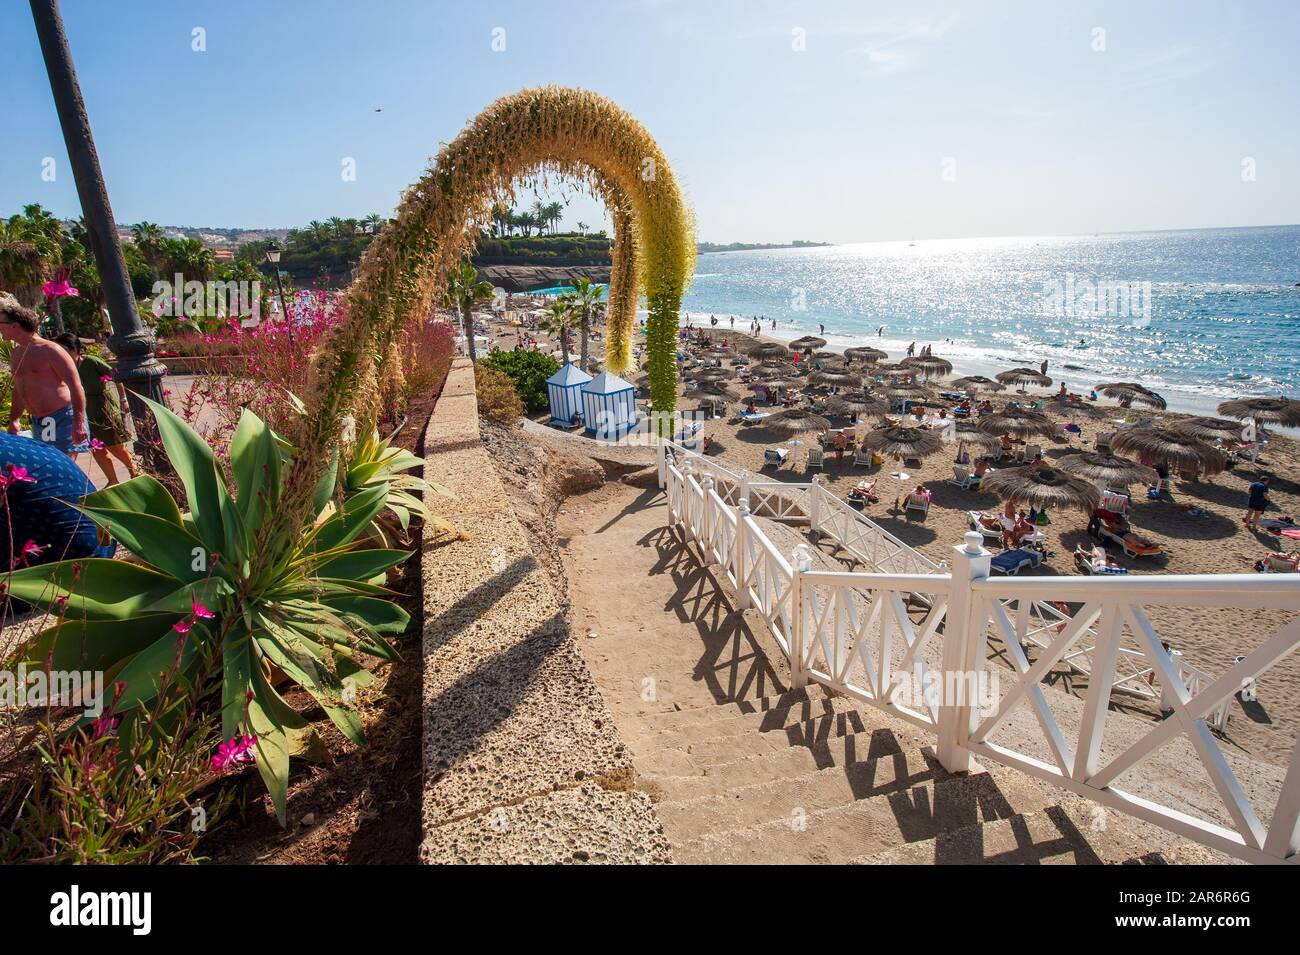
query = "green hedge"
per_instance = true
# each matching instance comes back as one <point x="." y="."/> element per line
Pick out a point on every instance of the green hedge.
<point x="528" y="370"/>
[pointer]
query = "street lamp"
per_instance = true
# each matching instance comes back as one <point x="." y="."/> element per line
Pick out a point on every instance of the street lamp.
<point x="273" y="256"/>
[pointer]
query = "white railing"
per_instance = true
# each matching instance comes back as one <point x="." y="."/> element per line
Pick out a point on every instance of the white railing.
<point x="879" y="637"/>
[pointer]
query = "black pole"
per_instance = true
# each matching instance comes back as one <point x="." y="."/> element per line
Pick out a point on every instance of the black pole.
<point x="131" y="341"/>
<point x="283" y="305"/>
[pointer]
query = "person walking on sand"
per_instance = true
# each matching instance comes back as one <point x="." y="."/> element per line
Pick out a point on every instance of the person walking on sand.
<point x="1258" y="501"/>
<point x="104" y="397"/>
<point x="911" y="349"/>
<point x="1042" y="369"/>
<point x="46" y="383"/>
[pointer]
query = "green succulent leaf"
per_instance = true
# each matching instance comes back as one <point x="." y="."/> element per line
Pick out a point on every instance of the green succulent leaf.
<point x="357" y="513"/>
<point x="156" y="541"/>
<point x="360" y="564"/>
<point x="97" y="644"/>
<point x="197" y="468"/>
<point x="255" y="461"/>
<point x="143" y="494"/>
<point x="271" y="751"/>
<point x="97" y="588"/>
<point x="383" y="616"/>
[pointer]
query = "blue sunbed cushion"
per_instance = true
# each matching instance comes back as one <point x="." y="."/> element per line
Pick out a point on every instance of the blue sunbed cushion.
<point x="1013" y="559"/>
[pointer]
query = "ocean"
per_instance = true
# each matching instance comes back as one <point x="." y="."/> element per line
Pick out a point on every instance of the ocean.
<point x="1199" y="315"/>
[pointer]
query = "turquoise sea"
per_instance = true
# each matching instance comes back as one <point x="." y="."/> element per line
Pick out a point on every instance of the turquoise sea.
<point x="1198" y="315"/>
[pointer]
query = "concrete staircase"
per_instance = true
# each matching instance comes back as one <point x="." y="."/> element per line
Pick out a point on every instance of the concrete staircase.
<point x="804" y="778"/>
<point x="743" y="769"/>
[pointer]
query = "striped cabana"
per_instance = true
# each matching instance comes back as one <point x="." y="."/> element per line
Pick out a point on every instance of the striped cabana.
<point x="564" y="390"/>
<point x="608" y="405"/>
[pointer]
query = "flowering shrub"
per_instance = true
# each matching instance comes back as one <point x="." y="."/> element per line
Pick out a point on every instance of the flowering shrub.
<point x="529" y="371"/>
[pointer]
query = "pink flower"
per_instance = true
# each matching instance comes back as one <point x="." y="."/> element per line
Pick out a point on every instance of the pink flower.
<point x="232" y="753"/>
<point x="96" y="444"/>
<point x="106" y="725"/>
<point x="181" y="626"/>
<point x="20" y="474"/>
<point x="105" y="377"/>
<point x="200" y="611"/>
<point x="31" y="549"/>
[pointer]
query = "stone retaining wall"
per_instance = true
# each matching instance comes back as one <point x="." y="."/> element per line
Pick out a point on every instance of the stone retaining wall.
<point x="522" y="761"/>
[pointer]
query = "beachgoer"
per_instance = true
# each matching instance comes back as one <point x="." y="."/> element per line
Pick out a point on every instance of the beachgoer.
<point x="983" y="466"/>
<point x="911" y="349"/>
<point x="1042" y="369"/>
<point x="46" y="383"/>
<point x="41" y="523"/>
<point x="1258" y="500"/>
<point x="104" y="399"/>
<point x="823" y="329"/>
<point x="841" y="443"/>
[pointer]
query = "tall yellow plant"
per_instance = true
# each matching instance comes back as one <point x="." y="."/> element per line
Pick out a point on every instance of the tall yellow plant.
<point x="520" y="140"/>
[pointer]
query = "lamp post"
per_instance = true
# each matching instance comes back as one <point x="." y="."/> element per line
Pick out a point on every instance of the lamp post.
<point x="131" y="340"/>
<point x="273" y="256"/>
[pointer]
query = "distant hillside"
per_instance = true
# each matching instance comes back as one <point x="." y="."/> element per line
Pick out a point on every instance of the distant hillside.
<point x="759" y="246"/>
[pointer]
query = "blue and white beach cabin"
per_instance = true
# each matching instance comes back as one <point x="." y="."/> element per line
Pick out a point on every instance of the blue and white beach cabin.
<point x="564" y="390"/>
<point x="608" y="405"/>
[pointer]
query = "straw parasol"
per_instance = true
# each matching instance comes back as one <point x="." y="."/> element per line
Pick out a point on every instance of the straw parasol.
<point x="978" y="383"/>
<point x="699" y="374"/>
<point x="1041" y="488"/>
<point x="895" y="367"/>
<point x="857" y="402"/>
<point x="1019" y="424"/>
<point x="795" y="421"/>
<point x="967" y="433"/>
<point x="1160" y="444"/>
<point x="807" y="342"/>
<point x="835" y="379"/>
<point x="710" y="389"/>
<point x="1130" y="391"/>
<point x="768" y="351"/>
<point x="1110" y="469"/>
<point x="1209" y="429"/>
<point x="1283" y="411"/>
<point x="1023" y="376"/>
<point x="773" y="370"/>
<point x="929" y="365"/>
<point x="864" y="354"/>
<point x="904" y="441"/>
<point x="908" y="391"/>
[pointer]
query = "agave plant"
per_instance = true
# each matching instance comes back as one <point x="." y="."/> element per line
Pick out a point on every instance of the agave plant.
<point x="309" y="616"/>
<point x="375" y="462"/>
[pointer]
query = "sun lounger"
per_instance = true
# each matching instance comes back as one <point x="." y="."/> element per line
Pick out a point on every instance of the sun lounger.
<point x="753" y="417"/>
<point x="815" y="458"/>
<point x="1094" y="563"/>
<point x="1032" y="451"/>
<point x="963" y="478"/>
<point x="775" y="456"/>
<point x="1278" y="564"/>
<point x="863" y="458"/>
<point x="917" y="502"/>
<point x="1134" y="545"/>
<point x="1103" y="440"/>
<point x="993" y="532"/>
<point x="1011" y="562"/>
<point x="1116" y="501"/>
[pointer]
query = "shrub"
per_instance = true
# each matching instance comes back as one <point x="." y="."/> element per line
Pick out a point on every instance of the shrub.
<point x="528" y="370"/>
<point x="497" y="397"/>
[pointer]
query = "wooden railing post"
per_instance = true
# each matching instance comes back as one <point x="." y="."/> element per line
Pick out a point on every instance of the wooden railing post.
<point x="961" y="657"/>
<point x="814" y="506"/>
<point x="800" y="564"/>
<point x="706" y="520"/>
<point x="663" y="462"/>
<point x="740" y="558"/>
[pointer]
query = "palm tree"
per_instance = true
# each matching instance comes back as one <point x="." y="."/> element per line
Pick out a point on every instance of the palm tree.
<point x="148" y="238"/>
<point x="554" y="213"/>
<point x="539" y="215"/>
<point x="559" y="320"/>
<point x="374" y="222"/>
<point x="28" y="254"/>
<point x="500" y="218"/>
<point x="464" y="291"/>
<point x="582" y="228"/>
<point x="584" y="300"/>
<point x="337" y="226"/>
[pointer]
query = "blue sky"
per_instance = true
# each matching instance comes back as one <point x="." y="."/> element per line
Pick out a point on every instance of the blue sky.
<point x="847" y="139"/>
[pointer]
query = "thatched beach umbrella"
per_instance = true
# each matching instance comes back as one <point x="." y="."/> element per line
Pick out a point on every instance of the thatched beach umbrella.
<point x="864" y="354"/>
<point x="857" y="402"/>
<point x="966" y="432"/>
<point x="1023" y="376"/>
<point x="1019" y="424"/>
<point x="706" y="374"/>
<point x="977" y="383"/>
<point x="890" y="368"/>
<point x="904" y="441"/>
<point x="1209" y="429"/>
<point x="1110" y="469"/>
<point x="768" y="351"/>
<point x="1283" y="411"/>
<point x="931" y="366"/>
<point x="1129" y="392"/>
<point x="795" y="421"/>
<point x="808" y="342"/>
<point x="773" y="370"/>
<point x="1160" y="444"/>
<point x="835" y="379"/>
<point x="710" y="389"/>
<point x="1042" y="488"/>
<point x="908" y="391"/>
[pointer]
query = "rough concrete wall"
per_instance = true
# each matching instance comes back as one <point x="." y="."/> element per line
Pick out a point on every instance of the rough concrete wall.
<point x="522" y="762"/>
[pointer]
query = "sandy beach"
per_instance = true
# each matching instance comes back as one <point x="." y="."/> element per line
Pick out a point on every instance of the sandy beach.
<point x="1214" y="540"/>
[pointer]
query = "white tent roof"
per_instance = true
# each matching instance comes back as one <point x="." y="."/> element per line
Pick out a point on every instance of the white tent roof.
<point x="606" y="383"/>
<point x="568" y="376"/>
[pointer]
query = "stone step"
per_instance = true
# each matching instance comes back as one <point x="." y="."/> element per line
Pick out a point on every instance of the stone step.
<point x="844" y="740"/>
<point x="871" y="826"/>
<point x="656" y="719"/>
<point x="1074" y="832"/>
<point x="687" y="816"/>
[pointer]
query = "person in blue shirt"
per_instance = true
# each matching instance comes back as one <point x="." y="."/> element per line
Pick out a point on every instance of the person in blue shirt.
<point x="1258" y="500"/>
<point x="38" y="524"/>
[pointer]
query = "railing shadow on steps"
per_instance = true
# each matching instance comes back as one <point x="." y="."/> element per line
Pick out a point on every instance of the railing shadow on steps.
<point x="854" y="634"/>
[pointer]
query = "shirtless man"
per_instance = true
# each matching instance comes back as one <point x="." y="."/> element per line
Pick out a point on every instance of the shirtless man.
<point x="46" y="383"/>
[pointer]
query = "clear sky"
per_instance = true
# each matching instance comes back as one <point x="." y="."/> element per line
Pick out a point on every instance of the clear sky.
<point x="834" y="120"/>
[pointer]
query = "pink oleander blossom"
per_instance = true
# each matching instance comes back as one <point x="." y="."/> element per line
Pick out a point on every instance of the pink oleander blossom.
<point x="17" y="474"/>
<point x="181" y="626"/>
<point x="200" y="611"/>
<point x="232" y="753"/>
<point x="106" y="725"/>
<point x="96" y="444"/>
<point x="30" y="550"/>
